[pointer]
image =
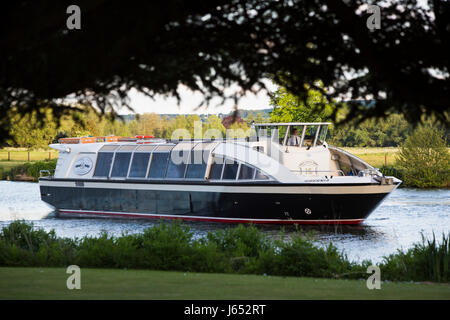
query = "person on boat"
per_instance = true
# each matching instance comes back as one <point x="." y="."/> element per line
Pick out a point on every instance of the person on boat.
<point x="294" y="140"/>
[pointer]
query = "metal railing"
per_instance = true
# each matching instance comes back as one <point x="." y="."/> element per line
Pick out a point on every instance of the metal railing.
<point x="49" y="173"/>
<point x="369" y="172"/>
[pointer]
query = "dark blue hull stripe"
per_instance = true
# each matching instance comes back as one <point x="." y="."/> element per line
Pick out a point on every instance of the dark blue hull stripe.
<point x="213" y="205"/>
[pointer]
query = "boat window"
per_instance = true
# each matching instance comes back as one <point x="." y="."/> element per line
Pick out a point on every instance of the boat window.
<point x="103" y="164"/>
<point x="259" y="148"/>
<point x="294" y="136"/>
<point x="260" y="176"/>
<point x="177" y="164"/>
<point x="310" y="135"/>
<point x="246" y="172"/>
<point x="158" y="165"/>
<point x="230" y="169"/>
<point x="139" y="165"/>
<point x="216" y="169"/>
<point x="322" y="134"/>
<point x="146" y="148"/>
<point x="121" y="164"/>
<point x="264" y="131"/>
<point x="197" y="164"/>
<point x="109" y="148"/>
<point x="165" y="148"/>
<point x="204" y="146"/>
<point x="127" y="148"/>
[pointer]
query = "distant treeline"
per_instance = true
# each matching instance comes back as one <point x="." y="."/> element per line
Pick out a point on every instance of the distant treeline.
<point x="389" y="132"/>
<point x="264" y="113"/>
<point x="28" y="132"/>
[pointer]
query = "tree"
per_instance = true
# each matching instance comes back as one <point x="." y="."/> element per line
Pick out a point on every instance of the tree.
<point x="288" y="107"/>
<point x="150" y="124"/>
<point x="26" y="133"/>
<point x="425" y="158"/>
<point x="238" y="130"/>
<point x="214" y="123"/>
<point x="389" y="132"/>
<point x="155" y="46"/>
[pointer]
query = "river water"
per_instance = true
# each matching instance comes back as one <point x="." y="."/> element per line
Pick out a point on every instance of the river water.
<point x="397" y="223"/>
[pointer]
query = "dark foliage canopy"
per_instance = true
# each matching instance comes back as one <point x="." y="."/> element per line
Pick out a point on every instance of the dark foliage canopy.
<point x="154" y="46"/>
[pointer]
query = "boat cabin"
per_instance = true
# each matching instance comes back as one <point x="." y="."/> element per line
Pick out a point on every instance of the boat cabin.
<point x="302" y="147"/>
<point x="168" y="160"/>
<point x="298" y="134"/>
<point x="283" y="152"/>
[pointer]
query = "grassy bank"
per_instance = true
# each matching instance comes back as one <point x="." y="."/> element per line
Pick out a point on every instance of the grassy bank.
<point x="22" y="154"/>
<point x="28" y="171"/>
<point x="50" y="283"/>
<point x="242" y="249"/>
<point x="376" y="157"/>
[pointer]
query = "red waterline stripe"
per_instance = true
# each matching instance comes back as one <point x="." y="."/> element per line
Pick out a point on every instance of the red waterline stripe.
<point x="223" y="220"/>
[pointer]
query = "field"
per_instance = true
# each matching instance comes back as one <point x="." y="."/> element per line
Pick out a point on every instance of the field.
<point x="376" y="157"/>
<point x="21" y="154"/>
<point x="6" y="166"/>
<point x="50" y="283"/>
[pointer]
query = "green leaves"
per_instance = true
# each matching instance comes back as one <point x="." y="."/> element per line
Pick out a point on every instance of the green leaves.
<point x="425" y="158"/>
<point x="291" y="108"/>
<point x="241" y="249"/>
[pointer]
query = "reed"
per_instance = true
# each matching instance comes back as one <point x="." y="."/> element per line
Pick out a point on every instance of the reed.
<point x="427" y="260"/>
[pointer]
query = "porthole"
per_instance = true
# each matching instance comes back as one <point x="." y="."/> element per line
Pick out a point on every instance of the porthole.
<point x="83" y="166"/>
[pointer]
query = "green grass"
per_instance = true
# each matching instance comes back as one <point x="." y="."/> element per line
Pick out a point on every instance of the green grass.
<point x="50" y="283"/>
<point x="20" y="154"/>
<point x="242" y="249"/>
<point x="375" y="156"/>
<point x="19" y="170"/>
<point x="7" y="166"/>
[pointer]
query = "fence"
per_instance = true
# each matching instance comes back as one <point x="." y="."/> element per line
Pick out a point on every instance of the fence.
<point x="6" y="155"/>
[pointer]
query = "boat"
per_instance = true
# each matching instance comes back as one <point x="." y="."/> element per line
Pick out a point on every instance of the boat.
<point x="282" y="173"/>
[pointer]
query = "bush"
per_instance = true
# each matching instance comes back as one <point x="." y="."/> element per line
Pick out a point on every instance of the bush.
<point x="425" y="159"/>
<point x="392" y="171"/>
<point x="425" y="261"/>
<point x="14" y="171"/>
<point x="33" y="168"/>
<point x="23" y="245"/>
<point x="30" y="169"/>
<point x="243" y="249"/>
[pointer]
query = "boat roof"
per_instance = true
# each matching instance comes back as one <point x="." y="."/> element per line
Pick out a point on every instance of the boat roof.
<point x="275" y="124"/>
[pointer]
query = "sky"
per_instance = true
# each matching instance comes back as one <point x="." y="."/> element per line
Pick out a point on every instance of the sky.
<point x="190" y="101"/>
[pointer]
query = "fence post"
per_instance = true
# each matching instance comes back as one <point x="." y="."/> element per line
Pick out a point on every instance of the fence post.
<point x="385" y="159"/>
<point x="28" y="156"/>
<point x="9" y="155"/>
<point x="49" y="155"/>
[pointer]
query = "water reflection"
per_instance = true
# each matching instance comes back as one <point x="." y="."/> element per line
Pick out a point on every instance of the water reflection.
<point x="397" y="223"/>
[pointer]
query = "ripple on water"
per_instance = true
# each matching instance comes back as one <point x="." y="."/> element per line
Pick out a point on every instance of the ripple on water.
<point x="397" y="223"/>
<point x="21" y="200"/>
